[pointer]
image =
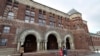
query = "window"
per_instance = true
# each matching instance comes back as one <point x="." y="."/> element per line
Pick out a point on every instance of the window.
<point x="32" y="20"/>
<point x="6" y="29"/>
<point x="42" y="22"/>
<point x="60" y="22"/>
<point x="32" y="13"/>
<point x="52" y="23"/>
<point x="29" y="17"/>
<point x="27" y="12"/>
<point x="10" y="15"/>
<point x="3" y="42"/>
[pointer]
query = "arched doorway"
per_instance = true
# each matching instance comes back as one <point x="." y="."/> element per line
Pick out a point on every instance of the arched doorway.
<point x="52" y="42"/>
<point x="30" y="44"/>
<point x="67" y="43"/>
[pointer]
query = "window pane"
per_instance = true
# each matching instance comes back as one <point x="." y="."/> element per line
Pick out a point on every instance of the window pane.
<point x="40" y="16"/>
<point x="32" y="20"/>
<point x="44" y="22"/>
<point x="27" y="19"/>
<point x="10" y="15"/>
<point x="3" y="42"/>
<point x="27" y="12"/>
<point x="6" y="29"/>
<point x="32" y="13"/>
<point x="51" y="23"/>
<point x="41" y="22"/>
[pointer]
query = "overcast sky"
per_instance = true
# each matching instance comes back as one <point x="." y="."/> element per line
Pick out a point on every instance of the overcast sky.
<point x="90" y="10"/>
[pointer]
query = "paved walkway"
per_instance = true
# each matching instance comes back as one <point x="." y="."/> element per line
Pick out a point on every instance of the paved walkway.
<point x="97" y="54"/>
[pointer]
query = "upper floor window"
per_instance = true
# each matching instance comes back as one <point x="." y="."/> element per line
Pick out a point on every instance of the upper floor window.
<point x="3" y="42"/>
<point x="6" y="29"/>
<point x="10" y="15"/>
<point x="52" y="24"/>
<point x="42" y="17"/>
<point x="51" y="19"/>
<point x="42" y="22"/>
<point x="27" y="12"/>
<point x="29" y="17"/>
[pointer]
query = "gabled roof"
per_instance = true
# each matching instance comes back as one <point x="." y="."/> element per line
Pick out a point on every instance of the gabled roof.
<point x="73" y="11"/>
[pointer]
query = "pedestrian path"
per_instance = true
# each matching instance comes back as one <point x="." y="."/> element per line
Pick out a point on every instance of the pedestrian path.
<point x="96" y="54"/>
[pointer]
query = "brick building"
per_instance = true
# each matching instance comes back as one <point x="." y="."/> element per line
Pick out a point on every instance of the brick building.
<point x="95" y="44"/>
<point x="36" y="27"/>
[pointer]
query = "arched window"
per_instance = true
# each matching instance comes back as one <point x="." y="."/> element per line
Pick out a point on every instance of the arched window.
<point x="10" y="15"/>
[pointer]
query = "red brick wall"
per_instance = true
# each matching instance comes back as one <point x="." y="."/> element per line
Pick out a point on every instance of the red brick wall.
<point x="80" y="40"/>
<point x="21" y="12"/>
<point x="10" y="37"/>
<point x="2" y="6"/>
<point x="36" y="15"/>
<point x="96" y="41"/>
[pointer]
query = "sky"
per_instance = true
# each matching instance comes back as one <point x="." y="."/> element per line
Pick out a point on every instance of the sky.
<point x="90" y="10"/>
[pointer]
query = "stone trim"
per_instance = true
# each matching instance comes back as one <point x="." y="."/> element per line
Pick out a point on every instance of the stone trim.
<point x="25" y="33"/>
<point x="43" y="7"/>
<point x="71" y="40"/>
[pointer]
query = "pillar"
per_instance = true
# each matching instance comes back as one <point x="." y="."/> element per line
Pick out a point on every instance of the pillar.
<point x="45" y="45"/>
<point x="18" y="46"/>
<point x="38" y="46"/>
<point x="59" y="44"/>
<point x="72" y="45"/>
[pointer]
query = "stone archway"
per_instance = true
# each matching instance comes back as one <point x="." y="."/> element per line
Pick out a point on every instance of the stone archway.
<point x="52" y="42"/>
<point x="30" y="44"/>
<point x="69" y="42"/>
<point x="24" y="34"/>
<point x="57" y="36"/>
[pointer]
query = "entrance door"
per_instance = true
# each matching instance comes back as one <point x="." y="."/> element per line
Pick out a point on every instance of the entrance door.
<point x="30" y="43"/>
<point x="67" y="43"/>
<point x="52" y="43"/>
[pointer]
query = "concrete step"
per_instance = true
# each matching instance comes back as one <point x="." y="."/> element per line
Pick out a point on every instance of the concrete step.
<point x="6" y="51"/>
<point x="96" y="54"/>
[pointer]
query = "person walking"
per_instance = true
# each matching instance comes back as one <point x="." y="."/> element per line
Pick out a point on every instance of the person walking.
<point x="64" y="51"/>
<point x="60" y="52"/>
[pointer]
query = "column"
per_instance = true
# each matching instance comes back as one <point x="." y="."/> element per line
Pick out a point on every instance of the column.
<point x="65" y="43"/>
<point x="18" y="46"/>
<point x="59" y="45"/>
<point x="72" y="45"/>
<point x="38" y="46"/>
<point x="45" y="43"/>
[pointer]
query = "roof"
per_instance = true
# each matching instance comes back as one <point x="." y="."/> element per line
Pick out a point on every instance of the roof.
<point x="73" y="11"/>
<point x="91" y="34"/>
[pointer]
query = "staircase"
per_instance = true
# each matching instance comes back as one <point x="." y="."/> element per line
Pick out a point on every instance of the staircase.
<point x="47" y="53"/>
<point x="6" y="51"/>
<point x="95" y="54"/>
<point x="56" y="53"/>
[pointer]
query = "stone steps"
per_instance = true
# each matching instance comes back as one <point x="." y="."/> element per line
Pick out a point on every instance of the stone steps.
<point x="96" y="54"/>
<point x="6" y="51"/>
<point x="49" y="53"/>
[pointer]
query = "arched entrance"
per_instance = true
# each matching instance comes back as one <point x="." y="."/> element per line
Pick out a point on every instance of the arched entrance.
<point x="52" y="42"/>
<point x="67" y="43"/>
<point x="30" y="44"/>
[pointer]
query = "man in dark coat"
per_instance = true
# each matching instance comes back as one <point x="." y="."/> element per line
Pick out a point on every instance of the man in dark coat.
<point x="64" y="51"/>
